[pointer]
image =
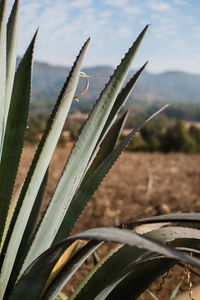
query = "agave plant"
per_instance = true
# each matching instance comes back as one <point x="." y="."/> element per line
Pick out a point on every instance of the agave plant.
<point x="37" y="258"/>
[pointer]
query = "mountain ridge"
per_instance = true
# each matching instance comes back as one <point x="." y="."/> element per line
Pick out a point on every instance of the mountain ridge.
<point x="168" y="86"/>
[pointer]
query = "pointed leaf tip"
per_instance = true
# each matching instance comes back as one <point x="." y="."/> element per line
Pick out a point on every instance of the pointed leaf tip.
<point x="87" y="43"/>
<point x="146" y="27"/>
<point x="36" y="33"/>
<point x="14" y="10"/>
<point x="143" y="67"/>
<point x="144" y="30"/>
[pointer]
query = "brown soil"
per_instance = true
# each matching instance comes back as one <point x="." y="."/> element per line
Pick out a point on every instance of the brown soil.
<point x="139" y="185"/>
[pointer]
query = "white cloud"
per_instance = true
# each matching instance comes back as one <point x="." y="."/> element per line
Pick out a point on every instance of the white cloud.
<point x="118" y="3"/>
<point x="80" y="3"/>
<point x="190" y="20"/>
<point x="60" y="25"/>
<point x="164" y="31"/>
<point x="197" y="28"/>
<point x="132" y="10"/>
<point x="106" y="14"/>
<point x="124" y="32"/>
<point x="196" y="32"/>
<point x="179" y="2"/>
<point x="158" y="6"/>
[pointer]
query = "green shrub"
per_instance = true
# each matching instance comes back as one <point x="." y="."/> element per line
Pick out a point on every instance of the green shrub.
<point x="195" y="134"/>
<point x="152" y="133"/>
<point x="178" y="139"/>
<point x="138" y="144"/>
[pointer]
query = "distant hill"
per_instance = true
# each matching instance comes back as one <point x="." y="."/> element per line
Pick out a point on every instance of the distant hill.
<point x="162" y="87"/>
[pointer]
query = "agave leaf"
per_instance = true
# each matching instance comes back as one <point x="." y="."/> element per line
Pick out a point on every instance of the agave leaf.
<point x="39" y="166"/>
<point x="12" y="31"/>
<point x="15" y="129"/>
<point x="11" y="209"/>
<point x="38" y="272"/>
<point x="137" y="281"/>
<point x="48" y="142"/>
<point x="129" y="282"/>
<point x="92" y="182"/>
<point x="89" y="186"/>
<point x="121" y="276"/>
<point x="27" y="237"/>
<point x="163" y="234"/>
<point x="170" y="233"/>
<point x="108" y="275"/>
<point x="122" y="97"/>
<point x="76" y="205"/>
<point x="55" y="278"/>
<point x="32" y="222"/>
<point x="123" y="280"/>
<point x="148" y="272"/>
<point x="3" y="6"/>
<point x="79" y="158"/>
<point x="107" y="144"/>
<point x="70" y="268"/>
<point x="91" y="276"/>
<point x="49" y="259"/>
<point x="120" y="101"/>
<point x="190" y="250"/>
<point x="178" y="217"/>
<point x="85" y="191"/>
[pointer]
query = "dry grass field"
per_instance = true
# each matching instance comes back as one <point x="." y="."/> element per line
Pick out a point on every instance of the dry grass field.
<point x="139" y="185"/>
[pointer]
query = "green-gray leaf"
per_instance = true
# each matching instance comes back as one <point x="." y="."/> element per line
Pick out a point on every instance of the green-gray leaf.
<point x="15" y="130"/>
<point x="3" y="6"/>
<point x="86" y="189"/>
<point x="79" y="158"/>
<point x="38" y="168"/>
<point x="12" y="31"/>
<point x="40" y="269"/>
<point x="27" y="237"/>
<point x="179" y="217"/>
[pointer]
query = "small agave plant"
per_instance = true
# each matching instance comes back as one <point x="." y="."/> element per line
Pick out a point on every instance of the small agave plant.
<point x="37" y="258"/>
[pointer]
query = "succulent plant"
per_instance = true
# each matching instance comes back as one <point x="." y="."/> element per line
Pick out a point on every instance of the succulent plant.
<point x="37" y="258"/>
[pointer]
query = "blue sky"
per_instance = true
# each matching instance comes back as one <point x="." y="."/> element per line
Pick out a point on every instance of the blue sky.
<point x="172" y="42"/>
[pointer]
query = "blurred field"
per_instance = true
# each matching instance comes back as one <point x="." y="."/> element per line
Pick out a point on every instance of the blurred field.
<point x="139" y="185"/>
